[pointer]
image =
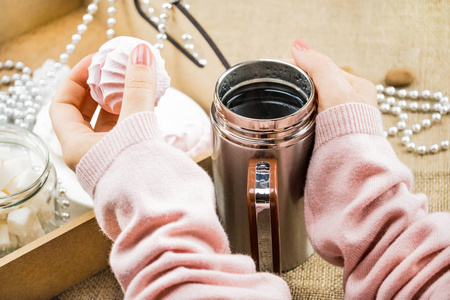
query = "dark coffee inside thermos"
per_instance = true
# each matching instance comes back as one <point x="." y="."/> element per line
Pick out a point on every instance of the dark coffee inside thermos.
<point x="265" y="100"/>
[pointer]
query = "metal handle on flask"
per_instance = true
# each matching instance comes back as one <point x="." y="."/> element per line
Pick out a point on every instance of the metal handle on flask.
<point x="262" y="203"/>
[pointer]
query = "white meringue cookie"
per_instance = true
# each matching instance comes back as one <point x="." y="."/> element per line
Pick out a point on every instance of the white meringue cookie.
<point x="107" y="72"/>
<point x="183" y="123"/>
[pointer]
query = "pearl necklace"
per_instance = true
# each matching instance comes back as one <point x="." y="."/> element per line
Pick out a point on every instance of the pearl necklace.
<point x="162" y="26"/>
<point x="388" y="104"/>
<point x="24" y="98"/>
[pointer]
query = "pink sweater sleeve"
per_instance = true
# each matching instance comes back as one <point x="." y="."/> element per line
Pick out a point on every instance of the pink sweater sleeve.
<point x="361" y="214"/>
<point x="158" y="207"/>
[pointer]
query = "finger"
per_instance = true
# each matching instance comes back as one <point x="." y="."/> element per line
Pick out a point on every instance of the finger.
<point x="72" y="104"/>
<point x="106" y="121"/>
<point x="140" y="82"/>
<point x="331" y="86"/>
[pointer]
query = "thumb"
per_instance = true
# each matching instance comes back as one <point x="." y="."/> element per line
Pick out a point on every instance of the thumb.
<point x="140" y="82"/>
<point x="331" y="85"/>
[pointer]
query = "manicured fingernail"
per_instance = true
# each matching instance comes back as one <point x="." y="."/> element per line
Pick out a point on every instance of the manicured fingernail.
<point x="141" y="55"/>
<point x="301" y="45"/>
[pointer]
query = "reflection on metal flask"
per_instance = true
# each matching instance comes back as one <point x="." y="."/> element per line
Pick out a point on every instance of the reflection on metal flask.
<point x="263" y="118"/>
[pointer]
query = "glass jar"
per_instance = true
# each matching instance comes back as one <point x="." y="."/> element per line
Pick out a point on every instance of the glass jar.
<point x="28" y="188"/>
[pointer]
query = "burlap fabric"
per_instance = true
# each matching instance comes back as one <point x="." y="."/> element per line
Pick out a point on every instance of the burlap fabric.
<point x="369" y="36"/>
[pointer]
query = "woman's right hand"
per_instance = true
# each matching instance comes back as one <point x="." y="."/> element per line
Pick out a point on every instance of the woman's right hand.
<point x="333" y="85"/>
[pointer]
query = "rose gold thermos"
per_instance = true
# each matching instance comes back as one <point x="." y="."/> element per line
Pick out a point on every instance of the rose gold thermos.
<point x="263" y="118"/>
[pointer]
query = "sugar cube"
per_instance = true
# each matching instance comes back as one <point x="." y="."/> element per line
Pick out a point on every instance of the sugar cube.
<point x="21" y="182"/>
<point x="24" y="223"/>
<point x="5" y="153"/>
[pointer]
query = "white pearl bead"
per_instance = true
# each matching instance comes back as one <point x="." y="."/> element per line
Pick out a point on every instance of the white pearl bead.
<point x="392" y="131"/>
<point x="426" y="123"/>
<point x="16" y="76"/>
<point x="150" y="10"/>
<point x="154" y="19"/>
<point x="166" y="6"/>
<point x="111" y="22"/>
<point x="434" y="148"/>
<point x="402" y="104"/>
<point x="162" y="28"/>
<point x="380" y="97"/>
<point x="403" y="116"/>
<point x="195" y="54"/>
<point x="57" y="65"/>
<point x="437" y="107"/>
<point x="436" y="117"/>
<point x="18" y="83"/>
<point x="445" y="144"/>
<point x="87" y="18"/>
<point x="42" y="82"/>
<point x="401" y="125"/>
<point x="445" y="109"/>
<point x="410" y="146"/>
<point x="202" y="61"/>
<point x="189" y="46"/>
<point x="413" y="106"/>
<point x="405" y="140"/>
<point x="25" y="77"/>
<point x="396" y="110"/>
<point x="76" y="38"/>
<point x="20" y="65"/>
<point x="425" y="94"/>
<point x="28" y="104"/>
<point x="161" y="36"/>
<point x="159" y="46"/>
<point x="110" y="33"/>
<point x="380" y="88"/>
<point x="187" y="6"/>
<point x="81" y="28"/>
<point x="416" y="128"/>
<point x="390" y="100"/>
<point x="145" y="2"/>
<point x="402" y="93"/>
<point x="70" y="48"/>
<point x="111" y="1"/>
<point x="29" y="84"/>
<point x="3" y="119"/>
<point x="425" y="107"/>
<point x="385" y="108"/>
<point x="50" y="74"/>
<point x="163" y="17"/>
<point x="6" y="80"/>
<point x="390" y="91"/>
<point x="35" y="91"/>
<point x="413" y="94"/>
<point x="92" y="8"/>
<point x="9" y="64"/>
<point x="422" y="150"/>
<point x="443" y="100"/>
<point x="112" y="10"/>
<point x="437" y="96"/>
<point x="39" y="99"/>
<point x="63" y="58"/>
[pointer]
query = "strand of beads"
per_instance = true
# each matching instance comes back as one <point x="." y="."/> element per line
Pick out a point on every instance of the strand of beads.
<point x="22" y="101"/>
<point x="25" y="97"/>
<point x="395" y="102"/>
<point x="161" y="36"/>
<point x="112" y="10"/>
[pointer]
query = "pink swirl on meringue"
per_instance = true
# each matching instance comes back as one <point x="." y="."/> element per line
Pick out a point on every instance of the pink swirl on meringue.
<point x="107" y="72"/>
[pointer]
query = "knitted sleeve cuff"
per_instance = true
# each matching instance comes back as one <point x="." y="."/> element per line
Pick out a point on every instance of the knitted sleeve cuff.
<point x="345" y="119"/>
<point x="135" y="128"/>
